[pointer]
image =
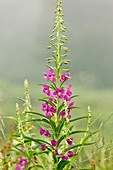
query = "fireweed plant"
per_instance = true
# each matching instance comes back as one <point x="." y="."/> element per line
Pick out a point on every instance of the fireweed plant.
<point x="56" y="148"/>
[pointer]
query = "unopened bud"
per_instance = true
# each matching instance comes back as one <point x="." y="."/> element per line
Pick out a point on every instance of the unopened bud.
<point x="65" y="62"/>
<point x="66" y="49"/>
<point x="49" y="47"/>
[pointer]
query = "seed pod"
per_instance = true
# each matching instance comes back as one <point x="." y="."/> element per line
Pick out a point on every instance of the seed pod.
<point x="66" y="49"/>
<point x="68" y="60"/>
<point x="49" y="47"/>
<point x="54" y="52"/>
<point x="48" y="59"/>
<point x="65" y="62"/>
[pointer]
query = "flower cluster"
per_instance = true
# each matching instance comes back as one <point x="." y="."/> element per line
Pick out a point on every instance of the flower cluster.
<point x="49" y="110"/>
<point x="44" y="132"/>
<point x="59" y="92"/>
<point x="23" y="162"/>
<point x="51" y="75"/>
<point x="49" y="107"/>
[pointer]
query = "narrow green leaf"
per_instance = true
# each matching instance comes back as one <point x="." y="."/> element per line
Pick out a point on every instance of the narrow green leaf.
<point x="11" y="117"/>
<point x="54" y="85"/>
<point x="44" y="100"/>
<point x="60" y="108"/>
<point x="38" y="166"/>
<point x="19" y="150"/>
<point x="74" y="107"/>
<point x="39" y="153"/>
<point x="39" y="114"/>
<point x="64" y="136"/>
<point x="60" y="126"/>
<point x="79" y="131"/>
<point x="53" y="125"/>
<point x="39" y="120"/>
<point x="60" y="140"/>
<point x="39" y="141"/>
<point x="70" y="129"/>
<point x="89" y="136"/>
<point x="78" y="118"/>
<point x="62" y="164"/>
<point x="74" y="96"/>
<point x="78" y="145"/>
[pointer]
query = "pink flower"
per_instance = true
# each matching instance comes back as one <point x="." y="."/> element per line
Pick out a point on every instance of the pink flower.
<point x="49" y="115"/>
<point x="48" y="110"/>
<point x="68" y="93"/>
<point x="64" y="157"/>
<point x="50" y="76"/>
<point x="70" y="154"/>
<point x="23" y="162"/>
<point x="69" y="141"/>
<point x="46" y="90"/>
<point x="71" y="104"/>
<point x="69" y="116"/>
<point x="42" y="131"/>
<point x="44" y="106"/>
<point x="47" y="134"/>
<point x="53" y="109"/>
<point x="64" y="77"/>
<point x="43" y="147"/>
<point x="54" y="143"/>
<point x="19" y="167"/>
<point x="62" y="114"/>
<point x="59" y="93"/>
<point x="56" y="152"/>
<point x="22" y="148"/>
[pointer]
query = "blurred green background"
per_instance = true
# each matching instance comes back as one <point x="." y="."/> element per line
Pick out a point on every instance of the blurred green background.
<point x="25" y="27"/>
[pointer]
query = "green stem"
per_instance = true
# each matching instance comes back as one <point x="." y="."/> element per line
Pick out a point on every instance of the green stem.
<point x="58" y="44"/>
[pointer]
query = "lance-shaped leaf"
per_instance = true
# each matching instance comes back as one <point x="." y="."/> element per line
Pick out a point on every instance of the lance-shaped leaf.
<point x="89" y="136"/>
<point x="39" y="153"/>
<point x="44" y="100"/>
<point x="53" y="85"/>
<point x="11" y="117"/>
<point x="74" y="132"/>
<point x="60" y="126"/>
<point x="38" y="167"/>
<point x="53" y="125"/>
<point x="62" y="164"/>
<point x="47" y="120"/>
<point x="78" y="145"/>
<point x="39" y="141"/>
<point x="39" y="120"/>
<point x="19" y="150"/>
<point x="74" y="96"/>
<point x="60" y="108"/>
<point x="79" y="118"/>
<point x="38" y="114"/>
<point x="74" y="107"/>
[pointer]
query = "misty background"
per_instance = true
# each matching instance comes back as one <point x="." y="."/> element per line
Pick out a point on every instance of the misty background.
<point x="25" y="27"/>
